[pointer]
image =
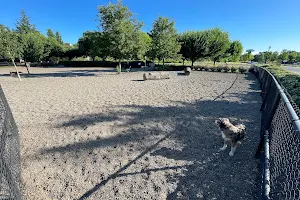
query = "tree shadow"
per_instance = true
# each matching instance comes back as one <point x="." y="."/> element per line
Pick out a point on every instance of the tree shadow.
<point x="181" y="74"/>
<point x="212" y="174"/>
<point x="253" y="85"/>
<point x="53" y="75"/>
<point x="66" y="73"/>
<point x="87" y="120"/>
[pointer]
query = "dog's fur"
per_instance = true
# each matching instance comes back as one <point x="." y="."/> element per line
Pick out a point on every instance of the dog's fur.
<point x="232" y="134"/>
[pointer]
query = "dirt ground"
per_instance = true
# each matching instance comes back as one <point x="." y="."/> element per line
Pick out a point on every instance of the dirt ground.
<point x="87" y="133"/>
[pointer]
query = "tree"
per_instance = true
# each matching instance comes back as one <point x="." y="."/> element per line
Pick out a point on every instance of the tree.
<point x="58" y="38"/>
<point x="260" y="57"/>
<point x="72" y="53"/>
<point x="119" y="29"/>
<point x="23" y="25"/>
<point x="274" y="56"/>
<point x="9" y="46"/>
<point x="246" y="57"/>
<point x="249" y="51"/>
<point x="93" y="44"/>
<point x="34" y="46"/>
<point x="144" y="42"/>
<point x="218" y="44"/>
<point x="292" y="56"/>
<point x="165" y="42"/>
<point x="235" y="50"/>
<point x="52" y="48"/>
<point x="284" y="55"/>
<point x="50" y="33"/>
<point x="194" y="45"/>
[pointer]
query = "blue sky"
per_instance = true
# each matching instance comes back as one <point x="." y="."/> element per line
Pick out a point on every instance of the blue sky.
<point x="258" y="24"/>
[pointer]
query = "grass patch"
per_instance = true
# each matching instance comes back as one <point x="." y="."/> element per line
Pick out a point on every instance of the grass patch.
<point x="289" y="80"/>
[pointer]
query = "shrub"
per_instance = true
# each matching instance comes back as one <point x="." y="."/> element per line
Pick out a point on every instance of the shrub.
<point x="289" y="80"/>
<point x="206" y="68"/>
<point x="226" y="68"/>
<point x="219" y="69"/>
<point x="234" y="69"/>
<point x="118" y="68"/>
<point x="54" y="60"/>
<point x="213" y="69"/>
<point x="170" y="67"/>
<point x="243" y="69"/>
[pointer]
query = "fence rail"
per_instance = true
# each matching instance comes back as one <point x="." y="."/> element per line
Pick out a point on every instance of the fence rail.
<point x="9" y="153"/>
<point x="279" y="147"/>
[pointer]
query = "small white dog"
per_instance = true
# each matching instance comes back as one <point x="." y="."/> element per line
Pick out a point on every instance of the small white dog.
<point x="232" y="134"/>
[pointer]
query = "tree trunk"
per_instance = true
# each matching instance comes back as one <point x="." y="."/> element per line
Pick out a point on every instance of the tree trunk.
<point x="192" y="63"/>
<point x="214" y="63"/>
<point x="183" y="62"/>
<point x="187" y="71"/>
<point x="93" y="58"/>
<point x="16" y="69"/>
<point x="156" y="76"/>
<point x="27" y="68"/>
<point x="163" y="63"/>
<point x="120" y="65"/>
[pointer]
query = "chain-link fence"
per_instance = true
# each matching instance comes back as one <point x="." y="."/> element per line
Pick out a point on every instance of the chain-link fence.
<point x="279" y="146"/>
<point x="9" y="153"/>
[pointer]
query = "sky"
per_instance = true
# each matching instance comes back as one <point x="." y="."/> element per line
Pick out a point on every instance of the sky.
<point x="258" y="24"/>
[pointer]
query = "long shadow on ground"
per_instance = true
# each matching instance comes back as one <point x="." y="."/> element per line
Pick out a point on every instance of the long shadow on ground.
<point x="72" y="73"/>
<point x="213" y="174"/>
<point x="208" y="174"/>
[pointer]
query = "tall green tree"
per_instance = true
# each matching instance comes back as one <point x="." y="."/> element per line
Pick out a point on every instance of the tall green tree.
<point x="246" y="57"/>
<point x="58" y="38"/>
<point x="93" y="44"/>
<point x="34" y="46"/>
<point x="218" y="44"/>
<point x="165" y="41"/>
<point x="274" y="56"/>
<point x="50" y="33"/>
<point x="144" y="42"/>
<point x="120" y="30"/>
<point x="235" y="50"/>
<point x="284" y="55"/>
<point x="10" y="46"/>
<point x="194" y="45"/>
<point x="260" y="57"/>
<point x="23" y="25"/>
<point x="249" y="53"/>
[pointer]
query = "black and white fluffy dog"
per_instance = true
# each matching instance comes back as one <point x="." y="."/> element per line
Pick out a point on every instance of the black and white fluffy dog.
<point x="231" y="134"/>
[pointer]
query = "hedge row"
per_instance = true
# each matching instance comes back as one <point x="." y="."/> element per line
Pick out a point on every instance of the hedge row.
<point x="232" y="69"/>
<point x="289" y="80"/>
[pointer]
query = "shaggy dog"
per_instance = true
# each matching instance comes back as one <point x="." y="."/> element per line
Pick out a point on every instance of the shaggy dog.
<point x="232" y="134"/>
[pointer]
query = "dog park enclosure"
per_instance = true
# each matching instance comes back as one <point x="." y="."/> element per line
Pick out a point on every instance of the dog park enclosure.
<point x="87" y="132"/>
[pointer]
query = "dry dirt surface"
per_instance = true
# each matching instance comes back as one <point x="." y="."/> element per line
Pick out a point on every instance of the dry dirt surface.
<point x="87" y="133"/>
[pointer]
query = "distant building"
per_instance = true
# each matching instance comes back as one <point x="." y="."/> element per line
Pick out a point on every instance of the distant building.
<point x="68" y="44"/>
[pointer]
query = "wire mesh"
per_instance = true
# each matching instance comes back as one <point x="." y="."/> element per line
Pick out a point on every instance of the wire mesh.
<point x="9" y="153"/>
<point x="284" y="156"/>
<point x="283" y="164"/>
